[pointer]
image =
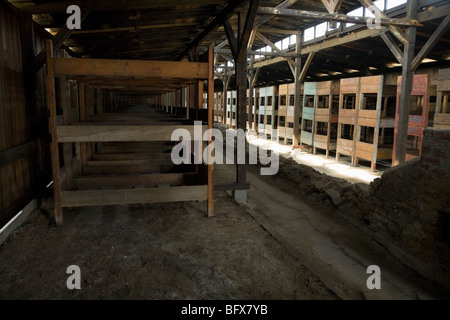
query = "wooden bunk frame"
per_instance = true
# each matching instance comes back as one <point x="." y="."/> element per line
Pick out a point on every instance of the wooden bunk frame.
<point x="283" y="100"/>
<point x="67" y="132"/>
<point x="269" y="108"/>
<point x="417" y="123"/>
<point x="231" y="108"/>
<point x="261" y="112"/>
<point x="347" y="88"/>
<point x="377" y="119"/>
<point x="442" y="112"/>
<point x="328" y="113"/>
<point x="308" y="112"/>
<point x="218" y="107"/>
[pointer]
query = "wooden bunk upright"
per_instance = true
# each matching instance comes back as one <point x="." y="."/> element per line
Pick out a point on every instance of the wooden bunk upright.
<point x="326" y="116"/>
<point x="81" y="135"/>
<point x="442" y="112"/>
<point x="418" y="115"/>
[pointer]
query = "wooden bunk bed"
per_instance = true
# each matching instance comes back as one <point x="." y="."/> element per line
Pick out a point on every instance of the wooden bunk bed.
<point x="253" y="109"/>
<point x="268" y="97"/>
<point x="375" y="121"/>
<point x="308" y="109"/>
<point x="218" y="107"/>
<point x="283" y="97"/>
<point x="89" y="141"/>
<point x="418" y="115"/>
<point x="347" y="118"/>
<point x="442" y="112"/>
<point x="326" y="116"/>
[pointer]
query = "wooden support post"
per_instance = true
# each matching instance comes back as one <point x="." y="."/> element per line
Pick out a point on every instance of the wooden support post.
<point x="298" y="90"/>
<point x="67" y="154"/>
<point x="210" y="211"/>
<point x="191" y="99"/>
<point x="406" y="86"/>
<point x="51" y="103"/>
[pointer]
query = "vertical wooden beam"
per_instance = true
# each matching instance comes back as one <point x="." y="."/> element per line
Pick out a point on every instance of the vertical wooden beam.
<point x="298" y="89"/>
<point x="210" y="126"/>
<point x="51" y="103"/>
<point x="67" y="147"/>
<point x="406" y="86"/>
<point x="250" y="93"/>
<point x="191" y="99"/>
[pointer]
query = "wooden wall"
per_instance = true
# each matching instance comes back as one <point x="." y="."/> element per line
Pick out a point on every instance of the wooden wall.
<point x="24" y="161"/>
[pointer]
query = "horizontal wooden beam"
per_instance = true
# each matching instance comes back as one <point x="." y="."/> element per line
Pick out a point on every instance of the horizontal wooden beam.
<point x="270" y="54"/>
<point x="434" y="12"/>
<point x="12" y="155"/>
<point x="333" y="42"/>
<point x="172" y="179"/>
<point x="330" y="43"/>
<point x="129" y="156"/>
<point x="231" y="186"/>
<point x="334" y="17"/>
<point x="127" y="169"/>
<point x="133" y="196"/>
<point x="278" y="31"/>
<point x="59" y="7"/>
<point x="130" y="68"/>
<point x="119" y="133"/>
<point x="135" y="29"/>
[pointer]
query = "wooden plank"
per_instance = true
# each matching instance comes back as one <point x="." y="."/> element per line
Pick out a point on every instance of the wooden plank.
<point x="126" y="169"/>
<point x="128" y="162"/>
<point x="133" y="196"/>
<point x="130" y="68"/>
<point x="130" y="156"/>
<point x="231" y="186"/>
<point x="119" y="133"/>
<point x="23" y="151"/>
<point x="94" y="182"/>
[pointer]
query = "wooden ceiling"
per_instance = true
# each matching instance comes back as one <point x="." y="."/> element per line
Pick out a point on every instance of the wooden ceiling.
<point x="166" y="29"/>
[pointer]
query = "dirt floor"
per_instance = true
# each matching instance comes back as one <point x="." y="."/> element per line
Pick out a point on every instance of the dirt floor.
<point x="167" y="251"/>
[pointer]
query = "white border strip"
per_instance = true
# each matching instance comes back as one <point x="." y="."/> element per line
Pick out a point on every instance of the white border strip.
<point x="17" y="221"/>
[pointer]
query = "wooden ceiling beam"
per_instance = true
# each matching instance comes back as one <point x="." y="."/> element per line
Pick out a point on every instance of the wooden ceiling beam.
<point x="114" y="5"/>
<point x="313" y="15"/>
<point x="219" y="19"/>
